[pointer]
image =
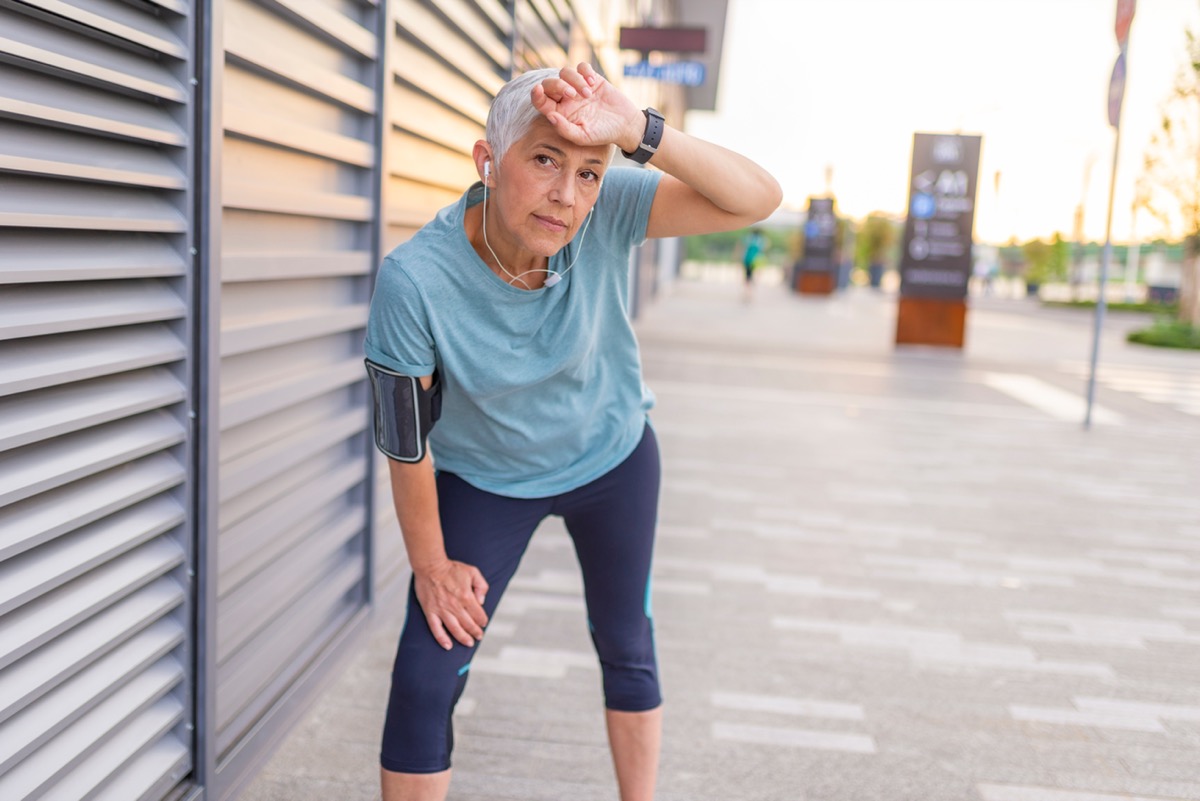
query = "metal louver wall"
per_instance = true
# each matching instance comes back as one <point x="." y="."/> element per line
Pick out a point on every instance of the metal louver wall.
<point x="95" y="540"/>
<point x="297" y="177"/>
<point x="542" y="34"/>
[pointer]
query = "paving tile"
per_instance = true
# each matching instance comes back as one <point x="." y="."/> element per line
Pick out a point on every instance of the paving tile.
<point x="877" y="578"/>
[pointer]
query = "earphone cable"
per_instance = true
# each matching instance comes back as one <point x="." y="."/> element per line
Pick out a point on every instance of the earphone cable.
<point x="549" y="272"/>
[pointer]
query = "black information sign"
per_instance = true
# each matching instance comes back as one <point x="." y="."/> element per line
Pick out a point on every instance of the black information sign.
<point x="820" y="237"/>
<point x="936" y="257"/>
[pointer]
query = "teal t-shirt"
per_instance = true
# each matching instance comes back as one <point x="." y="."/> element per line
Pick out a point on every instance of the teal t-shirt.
<point x="542" y="389"/>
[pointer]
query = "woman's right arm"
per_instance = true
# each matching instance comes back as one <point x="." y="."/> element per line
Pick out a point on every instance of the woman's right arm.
<point x="451" y="593"/>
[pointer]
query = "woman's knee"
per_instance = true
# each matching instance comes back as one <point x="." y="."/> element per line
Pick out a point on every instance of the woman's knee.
<point x="629" y="668"/>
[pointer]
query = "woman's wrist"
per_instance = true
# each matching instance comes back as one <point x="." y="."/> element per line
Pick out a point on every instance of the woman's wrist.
<point x="634" y="131"/>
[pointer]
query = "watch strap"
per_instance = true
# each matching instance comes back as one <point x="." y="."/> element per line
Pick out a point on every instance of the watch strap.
<point x="651" y="137"/>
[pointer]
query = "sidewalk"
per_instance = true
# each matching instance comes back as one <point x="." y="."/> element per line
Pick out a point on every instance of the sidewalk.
<point x="881" y="576"/>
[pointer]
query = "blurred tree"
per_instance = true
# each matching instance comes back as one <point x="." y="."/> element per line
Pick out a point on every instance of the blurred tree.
<point x="876" y="237"/>
<point x="1046" y="261"/>
<point x="1172" y="167"/>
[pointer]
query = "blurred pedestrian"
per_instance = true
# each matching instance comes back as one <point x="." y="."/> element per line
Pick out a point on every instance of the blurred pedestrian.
<point x="753" y="247"/>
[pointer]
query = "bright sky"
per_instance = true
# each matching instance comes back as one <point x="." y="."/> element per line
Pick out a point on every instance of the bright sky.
<point x="846" y="83"/>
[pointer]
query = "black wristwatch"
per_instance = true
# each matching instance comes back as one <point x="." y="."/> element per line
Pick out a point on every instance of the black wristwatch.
<point x="650" y="139"/>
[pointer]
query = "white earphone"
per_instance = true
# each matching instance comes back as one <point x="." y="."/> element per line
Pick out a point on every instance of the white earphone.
<point x="487" y="169"/>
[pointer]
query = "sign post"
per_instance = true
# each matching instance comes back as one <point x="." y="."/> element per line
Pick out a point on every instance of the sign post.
<point x="935" y="262"/>
<point x="817" y="269"/>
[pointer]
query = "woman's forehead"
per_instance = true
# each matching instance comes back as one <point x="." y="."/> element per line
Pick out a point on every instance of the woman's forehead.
<point x="542" y="134"/>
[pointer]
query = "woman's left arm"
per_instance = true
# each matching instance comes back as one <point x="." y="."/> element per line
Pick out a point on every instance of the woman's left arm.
<point x="706" y="187"/>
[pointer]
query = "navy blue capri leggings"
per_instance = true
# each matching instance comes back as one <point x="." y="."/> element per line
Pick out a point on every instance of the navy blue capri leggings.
<point x="611" y="521"/>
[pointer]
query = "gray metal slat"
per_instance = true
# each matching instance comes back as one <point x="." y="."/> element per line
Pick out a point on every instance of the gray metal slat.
<point x="44" y="99"/>
<point x="411" y="204"/>
<point x="36" y="416"/>
<point x="288" y="326"/>
<point x="283" y="265"/>
<point x="428" y="163"/>
<point x="37" y="203"/>
<point x="40" y="257"/>
<point x="242" y="441"/>
<point x="272" y="395"/>
<point x="241" y="474"/>
<point x="69" y="54"/>
<point x="328" y="23"/>
<point x="475" y="28"/>
<point x="259" y="539"/>
<point x="551" y="21"/>
<point x="112" y="755"/>
<point x="36" y="310"/>
<point x="50" y="361"/>
<point x="536" y="37"/>
<point x="436" y="80"/>
<point x="64" y="154"/>
<point x="38" y="572"/>
<point x="30" y="523"/>
<point x="251" y="50"/>
<point x="428" y="29"/>
<point x="303" y="203"/>
<point x="150" y="775"/>
<point x="118" y="20"/>
<point x="37" y="623"/>
<point x="497" y="12"/>
<point x="295" y="482"/>
<point x="28" y="679"/>
<point x="250" y="671"/>
<point x="28" y="471"/>
<point x="430" y="119"/>
<point x="67" y="766"/>
<point x="178" y="6"/>
<point x="27" y="731"/>
<point x="254" y="604"/>
<point x="264" y="126"/>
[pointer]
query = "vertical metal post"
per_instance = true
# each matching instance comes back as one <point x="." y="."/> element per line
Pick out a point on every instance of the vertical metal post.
<point x="1100" y="301"/>
<point x="210" y="133"/>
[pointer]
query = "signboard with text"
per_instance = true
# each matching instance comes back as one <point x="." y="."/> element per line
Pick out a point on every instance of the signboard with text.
<point x="685" y="73"/>
<point x="820" y="232"/>
<point x="935" y="259"/>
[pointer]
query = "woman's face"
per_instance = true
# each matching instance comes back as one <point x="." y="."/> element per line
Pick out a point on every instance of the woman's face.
<point x="545" y="188"/>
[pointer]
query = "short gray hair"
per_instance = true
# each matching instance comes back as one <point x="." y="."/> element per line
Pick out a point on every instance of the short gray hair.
<point x="512" y="112"/>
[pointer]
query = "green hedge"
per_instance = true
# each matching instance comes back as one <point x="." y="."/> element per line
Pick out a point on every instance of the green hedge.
<point x="1167" y="333"/>
<point x="1131" y="307"/>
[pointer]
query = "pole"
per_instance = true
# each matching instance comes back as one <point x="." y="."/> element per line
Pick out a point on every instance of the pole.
<point x="1100" y="301"/>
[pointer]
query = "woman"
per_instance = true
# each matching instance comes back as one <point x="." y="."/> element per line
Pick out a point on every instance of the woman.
<point x="509" y="313"/>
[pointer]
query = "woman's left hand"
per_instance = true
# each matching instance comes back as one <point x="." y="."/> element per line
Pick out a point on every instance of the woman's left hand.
<point x="588" y="110"/>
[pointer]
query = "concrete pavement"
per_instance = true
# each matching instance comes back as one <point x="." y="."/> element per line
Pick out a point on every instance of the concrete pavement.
<point x="881" y="576"/>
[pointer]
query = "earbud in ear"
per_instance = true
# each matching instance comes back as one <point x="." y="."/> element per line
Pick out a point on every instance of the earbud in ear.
<point x="487" y="169"/>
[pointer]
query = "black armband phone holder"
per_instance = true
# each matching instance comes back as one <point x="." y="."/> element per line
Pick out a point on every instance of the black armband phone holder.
<point x="404" y="412"/>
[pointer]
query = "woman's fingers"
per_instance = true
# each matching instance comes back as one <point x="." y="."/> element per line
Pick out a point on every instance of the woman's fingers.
<point x="452" y="597"/>
<point x="479" y="585"/>
<point x="438" y="630"/>
<point x="463" y="628"/>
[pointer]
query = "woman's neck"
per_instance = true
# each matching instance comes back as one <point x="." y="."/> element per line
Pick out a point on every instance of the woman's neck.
<point x="500" y="254"/>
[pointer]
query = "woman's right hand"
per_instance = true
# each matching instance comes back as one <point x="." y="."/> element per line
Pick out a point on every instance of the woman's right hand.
<point x="451" y="595"/>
